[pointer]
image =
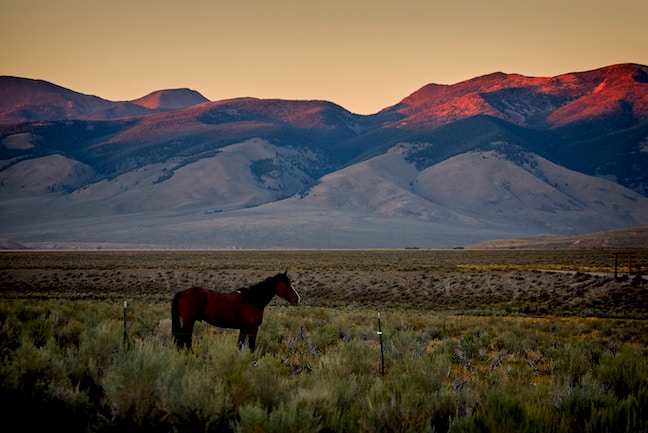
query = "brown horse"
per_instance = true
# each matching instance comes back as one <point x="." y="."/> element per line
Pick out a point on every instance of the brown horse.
<point x="241" y="309"/>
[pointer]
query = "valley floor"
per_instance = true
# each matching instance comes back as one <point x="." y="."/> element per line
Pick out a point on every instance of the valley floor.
<point x="554" y="282"/>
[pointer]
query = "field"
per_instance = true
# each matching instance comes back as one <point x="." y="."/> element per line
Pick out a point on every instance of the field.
<point x="472" y="341"/>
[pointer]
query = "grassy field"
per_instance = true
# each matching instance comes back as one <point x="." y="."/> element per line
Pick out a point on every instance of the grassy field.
<point x="472" y="341"/>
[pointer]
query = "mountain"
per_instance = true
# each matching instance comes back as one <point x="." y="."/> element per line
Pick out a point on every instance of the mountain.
<point x="633" y="237"/>
<point x="8" y="244"/>
<point x="498" y="156"/>
<point x="616" y="92"/>
<point x="25" y="100"/>
<point x="171" y="99"/>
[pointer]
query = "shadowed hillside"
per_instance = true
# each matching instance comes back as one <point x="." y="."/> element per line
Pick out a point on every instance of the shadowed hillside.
<point x="496" y="157"/>
<point x="632" y="237"/>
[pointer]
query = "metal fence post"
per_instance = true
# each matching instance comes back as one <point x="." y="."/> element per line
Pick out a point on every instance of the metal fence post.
<point x="382" y="353"/>
<point x="125" y="324"/>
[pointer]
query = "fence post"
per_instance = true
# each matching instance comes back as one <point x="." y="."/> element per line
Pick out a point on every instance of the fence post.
<point x="382" y="353"/>
<point x="125" y="324"/>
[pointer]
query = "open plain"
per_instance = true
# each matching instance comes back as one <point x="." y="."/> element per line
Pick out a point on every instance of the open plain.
<point x="537" y="282"/>
<point x="472" y="341"/>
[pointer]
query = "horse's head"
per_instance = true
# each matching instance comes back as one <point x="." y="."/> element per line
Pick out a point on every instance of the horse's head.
<point x="285" y="289"/>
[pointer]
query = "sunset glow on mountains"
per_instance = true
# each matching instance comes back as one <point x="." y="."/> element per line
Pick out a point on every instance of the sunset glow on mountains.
<point x="363" y="55"/>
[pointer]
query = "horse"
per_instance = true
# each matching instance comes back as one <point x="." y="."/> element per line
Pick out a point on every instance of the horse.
<point x="241" y="309"/>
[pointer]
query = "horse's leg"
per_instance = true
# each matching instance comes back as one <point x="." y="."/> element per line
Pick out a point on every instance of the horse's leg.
<point x="241" y="339"/>
<point x="250" y="334"/>
<point x="252" y="342"/>
<point x="187" y="333"/>
<point x="176" y="320"/>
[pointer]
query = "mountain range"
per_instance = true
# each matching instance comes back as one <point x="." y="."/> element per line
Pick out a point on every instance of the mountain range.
<point x="497" y="156"/>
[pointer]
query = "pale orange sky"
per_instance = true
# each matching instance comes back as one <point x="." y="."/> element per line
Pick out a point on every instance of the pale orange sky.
<point x="364" y="55"/>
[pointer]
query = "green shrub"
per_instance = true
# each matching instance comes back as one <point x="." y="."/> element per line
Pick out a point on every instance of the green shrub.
<point x="38" y="393"/>
<point x="573" y="361"/>
<point x="623" y="373"/>
<point x="392" y="406"/>
<point x="324" y="337"/>
<point x="38" y="331"/>
<point x="285" y="418"/>
<point x="576" y="400"/>
<point x="193" y="397"/>
<point x="628" y="415"/>
<point x="151" y="385"/>
<point x="10" y="334"/>
<point x="133" y="387"/>
<point x="319" y="370"/>
<point x="269" y="377"/>
<point x="234" y="368"/>
<point x="502" y="412"/>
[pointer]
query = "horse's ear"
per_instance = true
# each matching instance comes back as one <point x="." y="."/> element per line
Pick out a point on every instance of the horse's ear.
<point x="286" y="273"/>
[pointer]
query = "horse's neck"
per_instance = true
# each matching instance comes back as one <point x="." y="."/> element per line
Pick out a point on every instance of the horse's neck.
<point x="261" y="294"/>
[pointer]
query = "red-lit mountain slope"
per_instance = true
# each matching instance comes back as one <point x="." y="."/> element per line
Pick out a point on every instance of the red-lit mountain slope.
<point x="172" y="99"/>
<point x="24" y="100"/>
<point x="619" y="90"/>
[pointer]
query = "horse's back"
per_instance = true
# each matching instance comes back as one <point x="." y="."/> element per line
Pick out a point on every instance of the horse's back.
<point x="194" y="294"/>
<point x="224" y="309"/>
<point x="215" y="308"/>
<point x="192" y="301"/>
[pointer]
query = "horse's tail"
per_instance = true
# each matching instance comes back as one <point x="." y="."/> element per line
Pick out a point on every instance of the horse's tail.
<point x="176" y="326"/>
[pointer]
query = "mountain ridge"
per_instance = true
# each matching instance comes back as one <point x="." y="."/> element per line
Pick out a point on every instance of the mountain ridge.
<point x="171" y="99"/>
<point x="502" y="155"/>
<point x="434" y="105"/>
<point x="25" y="100"/>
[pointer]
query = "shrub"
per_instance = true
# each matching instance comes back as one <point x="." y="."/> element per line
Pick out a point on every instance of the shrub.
<point x="38" y="331"/>
<point x="269" y="377"/>
<point x="502" y="412"/>
<point x="38" y="393"/>
<point x="628" y="415"/>
<point x="193" y="397"/>
<point x="573" y="361"/>
<point x="285" y="418"/>
<point x="576" y="400"/>
<point x="10" y="334"/>
<point x="393" y="406"/>
<point x="133" y="386"/>
<point x="624" y="372"/>
<point x="461" y="374"/>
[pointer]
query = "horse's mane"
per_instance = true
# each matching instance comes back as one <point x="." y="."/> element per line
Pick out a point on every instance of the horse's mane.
<point x="260" y="293"/>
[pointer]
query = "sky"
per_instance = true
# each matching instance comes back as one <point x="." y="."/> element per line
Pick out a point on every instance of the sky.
<point x="364" y="55"/>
